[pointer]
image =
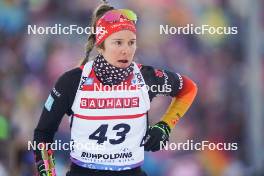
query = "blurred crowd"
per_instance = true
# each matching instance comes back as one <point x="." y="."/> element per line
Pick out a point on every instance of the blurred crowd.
<point x="31" y="64"/>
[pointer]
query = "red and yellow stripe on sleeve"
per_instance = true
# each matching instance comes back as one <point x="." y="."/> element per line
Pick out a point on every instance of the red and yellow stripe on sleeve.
<point x="181" y="102"/>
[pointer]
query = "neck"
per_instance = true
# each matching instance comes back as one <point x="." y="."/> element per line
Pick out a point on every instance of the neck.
<point x="109" y="74"/>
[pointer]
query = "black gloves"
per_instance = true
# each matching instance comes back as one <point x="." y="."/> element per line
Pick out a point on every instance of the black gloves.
<point x="157" y="136"/>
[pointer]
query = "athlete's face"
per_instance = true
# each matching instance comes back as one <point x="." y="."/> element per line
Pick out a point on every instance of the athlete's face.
<point x="119" y="48"/>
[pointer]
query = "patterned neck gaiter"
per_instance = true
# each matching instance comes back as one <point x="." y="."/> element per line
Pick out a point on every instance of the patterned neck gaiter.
<point x="109" y="74"/>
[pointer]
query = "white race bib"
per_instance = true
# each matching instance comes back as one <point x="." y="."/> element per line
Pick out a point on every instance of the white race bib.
<point x="108" y="126"/>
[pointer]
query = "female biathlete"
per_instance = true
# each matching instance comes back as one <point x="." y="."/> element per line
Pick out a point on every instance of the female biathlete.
<point x="107" y="100"/>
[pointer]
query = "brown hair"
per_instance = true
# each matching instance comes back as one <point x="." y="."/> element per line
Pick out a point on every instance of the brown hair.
<point x="98" y="13"/>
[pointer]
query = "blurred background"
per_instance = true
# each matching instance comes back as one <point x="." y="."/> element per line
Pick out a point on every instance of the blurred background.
<point x="228" y="70"/>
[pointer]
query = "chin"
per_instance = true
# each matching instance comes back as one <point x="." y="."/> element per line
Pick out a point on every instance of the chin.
<point x="125" y="65"/>
<point x="122" y="65"/>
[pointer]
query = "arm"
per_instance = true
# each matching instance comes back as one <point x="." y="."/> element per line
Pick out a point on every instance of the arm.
<point x="57" y="104"/>
<point x="181" y="102"/>
<point x="183" y="92"/>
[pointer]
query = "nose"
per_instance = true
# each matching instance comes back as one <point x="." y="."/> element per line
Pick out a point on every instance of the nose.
<point x="125" y="50"/>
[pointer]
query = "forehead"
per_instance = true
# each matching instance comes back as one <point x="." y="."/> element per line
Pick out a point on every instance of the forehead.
<point x="124" y="35"/>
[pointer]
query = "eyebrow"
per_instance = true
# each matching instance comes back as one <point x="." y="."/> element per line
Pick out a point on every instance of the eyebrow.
<point x="122" y="39"/>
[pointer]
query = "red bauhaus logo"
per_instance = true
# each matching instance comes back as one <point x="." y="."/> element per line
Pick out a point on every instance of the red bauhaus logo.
<point x="109" y="103"/>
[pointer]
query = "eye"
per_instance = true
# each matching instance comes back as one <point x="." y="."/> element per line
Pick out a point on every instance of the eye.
<point x="132" y="42"/>
<point x="118" y="43"/>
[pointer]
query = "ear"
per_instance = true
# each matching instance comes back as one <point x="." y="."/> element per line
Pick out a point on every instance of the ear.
<point x="99" y="50"/>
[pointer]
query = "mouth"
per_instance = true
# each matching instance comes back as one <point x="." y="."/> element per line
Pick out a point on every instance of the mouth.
<point x="124" y="61"/>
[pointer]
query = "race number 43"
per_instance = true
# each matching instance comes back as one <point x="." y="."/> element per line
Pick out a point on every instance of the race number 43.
<point x="100" y="134"/>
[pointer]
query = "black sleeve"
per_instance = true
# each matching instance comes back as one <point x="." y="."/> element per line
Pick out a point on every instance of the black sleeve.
<point x="58" y="103"/>
<point x="161" y="82"/>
